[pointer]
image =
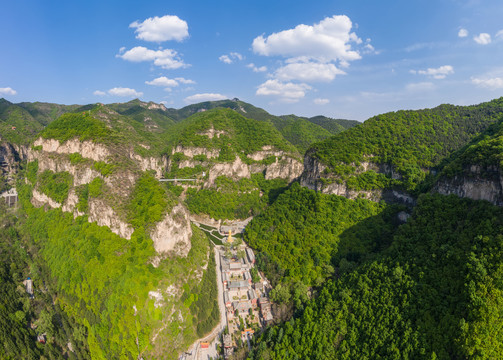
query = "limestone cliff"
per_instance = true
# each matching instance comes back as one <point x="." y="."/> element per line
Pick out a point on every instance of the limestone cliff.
<point x="475" y="182"/>
<point x="314" y="176"/>
<point x="283" y="165"/>
<point x="11" y="155"/>
<point x="173" y="233"/>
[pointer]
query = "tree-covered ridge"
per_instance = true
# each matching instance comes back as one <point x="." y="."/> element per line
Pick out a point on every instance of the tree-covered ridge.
<point x="334" y="126"/>
<point x="435" y="293"/>
<point x="303" y="235"/>
<point x="102" y="124"/>
<point x="484" y="151"/>
<point x="299" y="131"/>
<point x="233" y="134"/>
<point x="409" y="141"/>
<point x="17" y="126"/>
<point x="154" y="116"/>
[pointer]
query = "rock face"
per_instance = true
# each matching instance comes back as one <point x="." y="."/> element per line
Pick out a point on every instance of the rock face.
<point x="81" y="174"/>
<point x="173" y="233"/>
<point x="87" y="149"/>
<point x="476" y="183"/>
<point x="10" y="157"/>
<point x="312" y="178"/>
<point x="236" y="169"/>
<point x="285" y="166"/>
<point x="39" y="199"/>
<point x="193" y="151"/>
<point x="104" y="215"/>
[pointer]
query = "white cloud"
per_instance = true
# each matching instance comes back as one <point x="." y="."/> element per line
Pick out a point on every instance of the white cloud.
<point x="169" y="83"/>
<point x="286" y="92"/>
<point x="8" y="91"/>
<point x="159" y="29"/>
<point x="99" y="93"/>
<point x="162" y="81"/>
<point x="237" y="55"/>
<point x="204" y="97"/>
<point x="229" y="59"/>
<point x="462" y="33"/>
<point x="226" y="59"/>
<point x="321" y="101"/>
<point x="184" y="81"/>
<point x="308" y="72"/>
<point x="499" y="34"/>
<point x="328" y="40"/>
<point x="255" y="68"/>
<point x="491" y="83"/>
<point x="124" y="92"/>
<point x="482" y="39"/>
<point x="166" y="59"/>
<point x="438" y="73"/>
<point x="419" y="87"/>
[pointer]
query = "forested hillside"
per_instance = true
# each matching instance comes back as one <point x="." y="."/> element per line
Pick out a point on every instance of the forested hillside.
<point x="410" y="142"/>
<point x="335" y="126"/>
<point x="435" y="293"/>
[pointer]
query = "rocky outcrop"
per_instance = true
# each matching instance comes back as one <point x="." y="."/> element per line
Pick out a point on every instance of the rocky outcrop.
<point x="10" y="157"/>
<point x="192" y="151"/>
<point x="236" y="169"/>
<point x="314" y="177"/>
<point x="104" y="215"/>
<point x="82" y="174"/>
<point x="159" y="165"/>
<point x="284" y="168"/>
<point x="173" y="233"/>
<point x="87" y="149"/>
<point x="211" y="133"/>
<point x="40" y="199"/>
<point x="474" y="182"/>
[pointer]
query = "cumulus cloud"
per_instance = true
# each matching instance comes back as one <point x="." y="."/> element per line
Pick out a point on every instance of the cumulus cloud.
<point x="438" y="73"/>
<point x="312" y="53"/>
<point x="308" y="72"/>
<point x="125" y="92"/>
<point x="226" y="59"/>
<point x="499" y="34"/>
<point x="482" y="39"/>
<point x="462" y="33"/>
<point x="286" y="92"/>
<point x="419" y="87"/>
<point x="204" y="97"/>
<point x="169" y="83"/>
<point x="229" y="59"/>
<point x="159" y="29"/>
<point x="181" y="80"/>
<point x="320" y="101"/>
<point x="162" y="81"/>
<point x="328" y="40"/>
<point x="490" y="83"/>
<point x="99" y="93"/>
<point x="166" y="59"/>
<point x="8" y="91"/>
<point x="256" y="68"/>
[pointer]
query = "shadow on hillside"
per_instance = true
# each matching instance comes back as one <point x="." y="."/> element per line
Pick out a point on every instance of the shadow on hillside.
<point x="367" y="238"/>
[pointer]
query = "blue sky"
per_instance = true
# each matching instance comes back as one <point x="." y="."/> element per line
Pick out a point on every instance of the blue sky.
<point x="343" y="59"/>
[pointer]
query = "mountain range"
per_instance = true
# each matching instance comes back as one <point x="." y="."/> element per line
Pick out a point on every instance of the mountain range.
<point x="381" y="239"/>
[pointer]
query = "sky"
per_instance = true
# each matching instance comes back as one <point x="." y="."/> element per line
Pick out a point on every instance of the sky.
<point x="343" y="59"/>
